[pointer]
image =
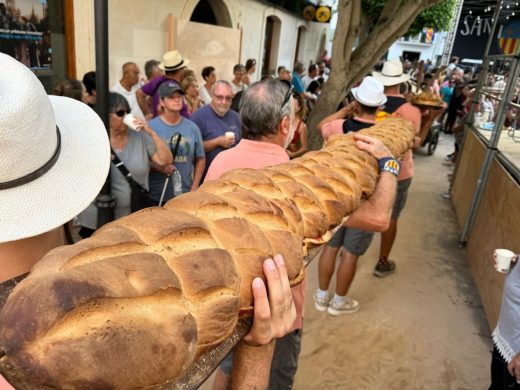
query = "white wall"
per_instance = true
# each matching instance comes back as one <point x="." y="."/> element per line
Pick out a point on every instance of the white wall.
<point x="138" y="32"/>
<point x="428" y="51"/>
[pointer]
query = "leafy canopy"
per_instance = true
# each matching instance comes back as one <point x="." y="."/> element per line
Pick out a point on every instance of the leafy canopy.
<point x="438" y="17"/>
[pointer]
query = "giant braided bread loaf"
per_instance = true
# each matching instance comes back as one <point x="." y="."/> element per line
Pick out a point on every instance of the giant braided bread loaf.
<point x="137" y="303"/>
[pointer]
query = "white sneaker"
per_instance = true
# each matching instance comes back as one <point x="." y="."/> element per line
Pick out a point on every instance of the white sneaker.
<point x="321" y="304"/>
<point x="349" y="307"/>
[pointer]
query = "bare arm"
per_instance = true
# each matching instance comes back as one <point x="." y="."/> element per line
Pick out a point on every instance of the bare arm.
<point x="143" y="104"/>
<point x="251" y="366"/>
<point x="374" y="214"/>
<point x="304" y="147"/>
<point x="223" y="141"/>
<point x="163" y="155"/>
<point x="274" y="315"/>
<point x="200" y="163"/>
<point x="341" y="114"/>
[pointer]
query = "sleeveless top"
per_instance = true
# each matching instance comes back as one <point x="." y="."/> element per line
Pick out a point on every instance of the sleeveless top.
<point x="352" y="124"/>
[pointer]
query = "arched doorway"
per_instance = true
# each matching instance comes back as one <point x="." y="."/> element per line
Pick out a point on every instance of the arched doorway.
<point x="300" y="44"/>
<point x="273" y="27"/>
<point x="213" y="12"/>
<point x="323" y="44"/>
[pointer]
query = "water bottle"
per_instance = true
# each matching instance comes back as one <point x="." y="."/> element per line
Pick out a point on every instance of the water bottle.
<point x="177" y="183"/>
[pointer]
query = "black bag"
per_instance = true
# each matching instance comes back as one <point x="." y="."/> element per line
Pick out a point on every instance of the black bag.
<point x="139" y="196"/>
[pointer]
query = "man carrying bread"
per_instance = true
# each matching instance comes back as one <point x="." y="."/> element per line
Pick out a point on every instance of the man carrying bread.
<point x="392" y="76"/>
<point x="267" y="117"/>
<point x="361" y="114"/>
<point x="59" y="175"/>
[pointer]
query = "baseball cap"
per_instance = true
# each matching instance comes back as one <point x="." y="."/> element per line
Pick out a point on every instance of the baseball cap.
<point x="168" y="88"/>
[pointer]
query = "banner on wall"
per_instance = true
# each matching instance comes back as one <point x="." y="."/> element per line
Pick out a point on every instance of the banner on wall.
<point x="25" y="32"/>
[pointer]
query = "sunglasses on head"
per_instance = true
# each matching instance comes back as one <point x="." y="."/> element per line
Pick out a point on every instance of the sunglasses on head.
<point x="121" y="113"/>
<point x="287" y="96"/>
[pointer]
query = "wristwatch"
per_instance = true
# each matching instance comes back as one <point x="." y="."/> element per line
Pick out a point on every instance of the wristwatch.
<point x="389" y="164"/>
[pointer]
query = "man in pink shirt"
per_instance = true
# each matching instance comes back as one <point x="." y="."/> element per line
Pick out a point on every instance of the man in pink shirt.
<point x="392" y="76"/>
<point x="361" y="114"/>
<point x="267" y="113"/>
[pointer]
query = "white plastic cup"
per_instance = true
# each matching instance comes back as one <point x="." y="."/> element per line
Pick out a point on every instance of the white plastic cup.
<point x="504" y="258"/>
<point x="229" y="134"/>
<point x="129" y="120"/>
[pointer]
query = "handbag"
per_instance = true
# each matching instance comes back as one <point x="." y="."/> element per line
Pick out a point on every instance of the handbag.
<point x="139" y="196"/>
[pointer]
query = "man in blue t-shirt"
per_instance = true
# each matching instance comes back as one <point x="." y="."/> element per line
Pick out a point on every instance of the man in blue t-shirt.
<point x="219" y="125"/>
<point x="189" y="159"/>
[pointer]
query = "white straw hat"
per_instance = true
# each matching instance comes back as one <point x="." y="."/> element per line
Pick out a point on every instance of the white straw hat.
<point x="173" y="60"/>
<point x="370" y="92"/>
<point x="392" y="73"/>
<point x="54" y="158"/>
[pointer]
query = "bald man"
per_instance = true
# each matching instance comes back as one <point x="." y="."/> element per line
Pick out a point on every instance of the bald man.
<point x="128" y="85"/>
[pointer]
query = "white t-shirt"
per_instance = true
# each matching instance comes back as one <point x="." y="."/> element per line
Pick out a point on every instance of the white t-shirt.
<point x="131" y="97"/>
<point x="236" y="89"/>
<point x="306" y="80"/>
<point x="204" y="95"/>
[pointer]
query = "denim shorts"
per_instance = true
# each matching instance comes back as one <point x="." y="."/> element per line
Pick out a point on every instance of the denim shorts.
<point x="354" y="241"/>
<point x="402" y="195"/>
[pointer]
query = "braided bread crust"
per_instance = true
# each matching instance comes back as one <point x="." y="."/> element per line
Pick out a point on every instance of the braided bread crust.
<point x="146" y="295"/>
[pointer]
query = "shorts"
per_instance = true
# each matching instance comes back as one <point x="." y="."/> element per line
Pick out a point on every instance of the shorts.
<point x="400" y="199"/>
<point x="284" y="364"/>
<point x="354" y="241"/>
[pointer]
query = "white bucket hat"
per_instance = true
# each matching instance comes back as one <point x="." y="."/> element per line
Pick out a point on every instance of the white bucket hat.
<point x="173" y="60"/>
<point x="370" y="92"/>
<point x="392" y="73"/>
<point x="54" y="157"/>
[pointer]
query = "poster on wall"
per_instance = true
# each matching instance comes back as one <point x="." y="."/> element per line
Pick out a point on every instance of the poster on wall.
<point x="25" y="32"/>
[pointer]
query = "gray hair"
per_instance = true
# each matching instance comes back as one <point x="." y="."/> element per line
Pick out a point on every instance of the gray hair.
<point x="221" y="82"/>
<point x="261" y="108"/>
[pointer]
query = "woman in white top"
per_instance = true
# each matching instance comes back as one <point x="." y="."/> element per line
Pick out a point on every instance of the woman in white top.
<point x="210" y="77"/>
<point x="250" y="69"/>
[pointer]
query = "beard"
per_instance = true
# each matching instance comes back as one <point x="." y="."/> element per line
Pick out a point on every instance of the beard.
<point x="219" y="110"/>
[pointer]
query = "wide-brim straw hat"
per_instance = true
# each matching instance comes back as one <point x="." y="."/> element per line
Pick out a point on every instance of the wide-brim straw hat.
<point x="370" y="92"/>
<point x="55" y="155"/>
<point x="172" y="61"/>
<point x="392" y="73"/>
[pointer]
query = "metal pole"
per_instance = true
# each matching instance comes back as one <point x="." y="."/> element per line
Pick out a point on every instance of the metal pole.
<point x="105" y="201"/>
<point x="491" y="148"/>
<point x="450" y="40"/>
<point x="496" y="15"/>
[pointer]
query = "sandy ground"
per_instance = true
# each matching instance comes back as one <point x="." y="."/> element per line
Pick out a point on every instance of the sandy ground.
<point x="420" y="328"/>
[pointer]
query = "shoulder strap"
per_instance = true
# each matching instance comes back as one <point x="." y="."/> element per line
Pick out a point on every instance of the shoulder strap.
<point x="123" y="169"/>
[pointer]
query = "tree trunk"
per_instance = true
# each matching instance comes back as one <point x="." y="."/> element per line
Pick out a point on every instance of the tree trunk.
<point x="350" y="66"/>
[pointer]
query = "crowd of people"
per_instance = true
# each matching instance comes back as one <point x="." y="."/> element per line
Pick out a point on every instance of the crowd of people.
<point x="170" y="135"/>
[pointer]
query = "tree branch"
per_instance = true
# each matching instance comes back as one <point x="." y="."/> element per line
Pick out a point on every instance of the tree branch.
<point x="342" y="29"/>
<point x="353" y="31"/>
<point x="388" y="11"/>
<point x="383" y="35"/>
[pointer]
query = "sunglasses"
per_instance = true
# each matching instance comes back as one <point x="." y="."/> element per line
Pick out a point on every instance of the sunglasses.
<point x="287" y="97"/>
<point x="121" y="113"/>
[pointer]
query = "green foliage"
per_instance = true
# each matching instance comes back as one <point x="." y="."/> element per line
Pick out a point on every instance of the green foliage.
<point x="438" y="16"/>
